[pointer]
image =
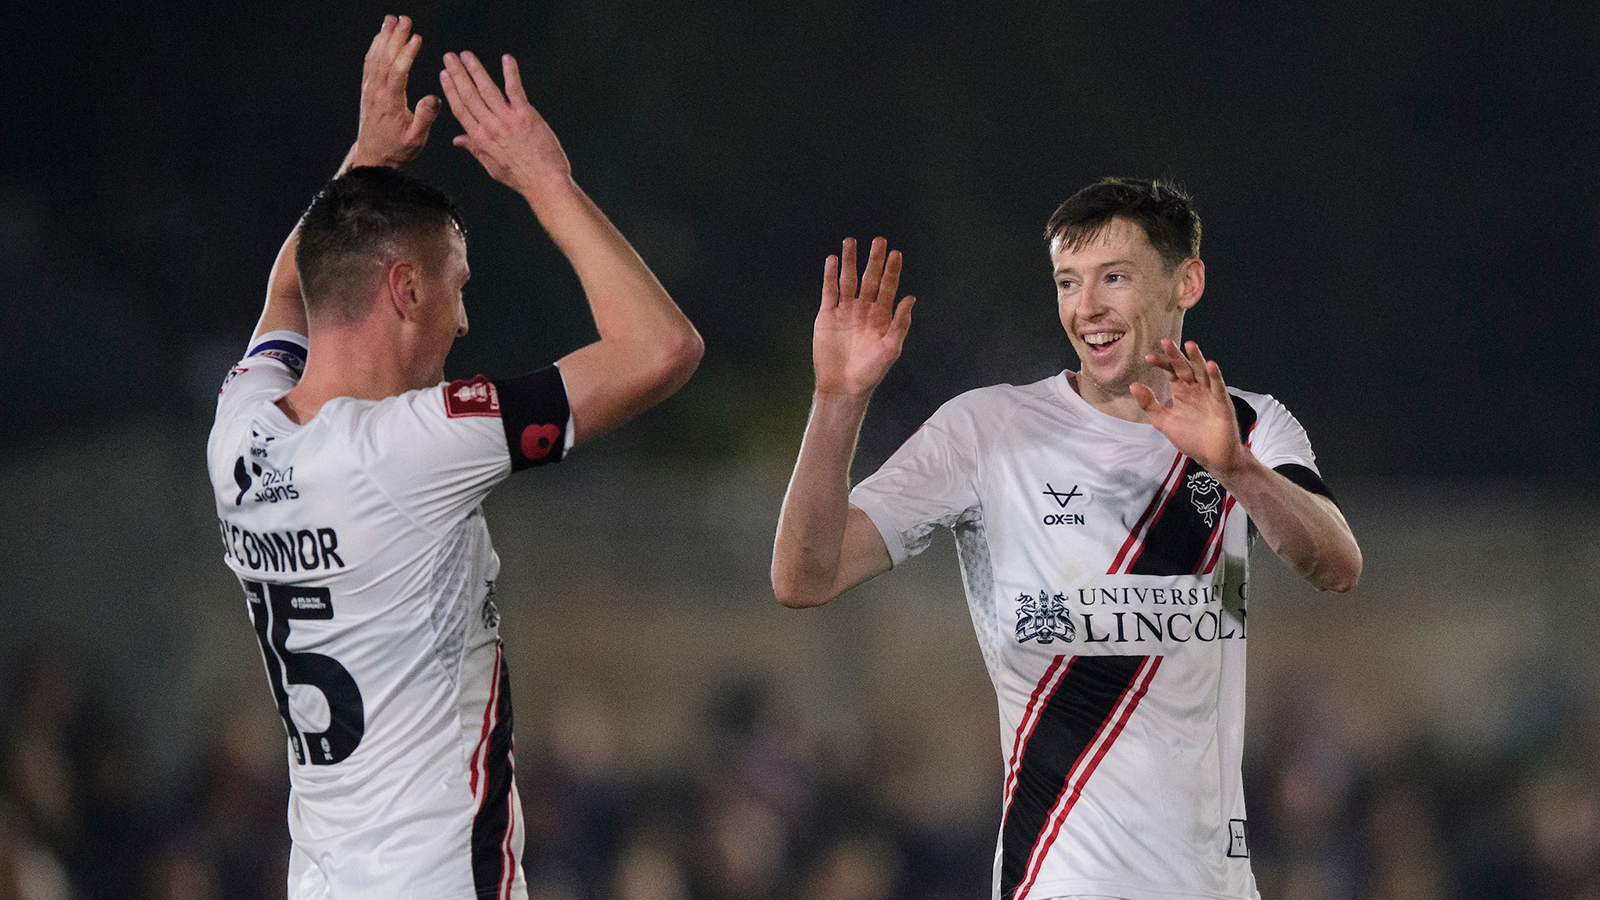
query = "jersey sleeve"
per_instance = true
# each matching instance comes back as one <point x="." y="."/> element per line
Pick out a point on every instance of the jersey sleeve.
<point x="270" y="367"/>
<point x="1281" y="444"/>
<point x="437" y="452"/>
<point x="931" y="481"/>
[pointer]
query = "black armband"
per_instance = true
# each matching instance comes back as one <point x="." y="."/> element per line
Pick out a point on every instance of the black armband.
<point x="1305" y="478"/>
<point x="534" y="411"/>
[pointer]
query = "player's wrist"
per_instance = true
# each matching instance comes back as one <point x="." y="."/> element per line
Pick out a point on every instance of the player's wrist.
<point x="548" y="192"/>
<point x="840" y="404"/>
<point x="1237" y="468"/>
<point x="361" y="155"/>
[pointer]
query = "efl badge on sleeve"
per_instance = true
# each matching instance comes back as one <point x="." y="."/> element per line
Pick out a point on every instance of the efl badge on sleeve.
<point x="475" y="396"/>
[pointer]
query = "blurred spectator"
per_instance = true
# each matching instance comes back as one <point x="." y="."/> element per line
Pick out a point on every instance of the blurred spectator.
<point x="650" y="868"/>
<point x="854" y="868"/>
<point x="27" y="871"/>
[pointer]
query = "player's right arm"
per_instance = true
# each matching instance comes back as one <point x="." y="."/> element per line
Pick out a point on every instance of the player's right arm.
<point x="647" y="347"/>
<point x="825" y="545"/>
<point x="389" y="134"/>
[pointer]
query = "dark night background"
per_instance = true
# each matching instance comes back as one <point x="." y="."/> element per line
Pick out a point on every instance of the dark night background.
<point x="1400" y="204"/>
<point x="1401" y="208"/>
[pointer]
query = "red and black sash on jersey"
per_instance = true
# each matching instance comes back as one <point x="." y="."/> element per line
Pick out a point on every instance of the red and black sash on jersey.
<point x="494" y="863"/>
<point x="1172" y="537"/>
<point x="1076" y="713"/>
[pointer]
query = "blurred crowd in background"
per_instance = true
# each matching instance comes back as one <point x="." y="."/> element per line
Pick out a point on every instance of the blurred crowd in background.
<point x="757" y="813"/>
<point x="1434" y="735"/>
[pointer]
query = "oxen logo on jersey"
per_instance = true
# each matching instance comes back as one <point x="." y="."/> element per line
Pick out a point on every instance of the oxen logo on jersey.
<point x="475" y="396"/>
<point x="1062" y="497"/>
<point x="1044" y="618"/>
<point x="1205" y="493"/>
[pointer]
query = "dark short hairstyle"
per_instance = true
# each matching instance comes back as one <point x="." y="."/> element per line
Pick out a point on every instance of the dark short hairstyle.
<point x="1161" y="208"/>
<point x="358" y="218"/>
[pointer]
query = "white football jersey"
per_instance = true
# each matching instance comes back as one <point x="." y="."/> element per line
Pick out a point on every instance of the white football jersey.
<point x="1106" y="575"/>
<point x="369" y="577"/>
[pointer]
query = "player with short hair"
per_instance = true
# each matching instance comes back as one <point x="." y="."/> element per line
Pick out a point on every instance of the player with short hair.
<point x="350" y="496"/>
<point x="1103" y="520"/>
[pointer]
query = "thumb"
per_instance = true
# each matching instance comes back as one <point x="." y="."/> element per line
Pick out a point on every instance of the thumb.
<point x="1146" y="399"/>
<point x="902" y="317"/>
<point x="422" y="121"/>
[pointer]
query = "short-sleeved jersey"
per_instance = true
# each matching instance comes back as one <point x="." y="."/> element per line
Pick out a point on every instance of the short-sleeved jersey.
<point x="369" y="577"/>
<point x="1106" y="577"/>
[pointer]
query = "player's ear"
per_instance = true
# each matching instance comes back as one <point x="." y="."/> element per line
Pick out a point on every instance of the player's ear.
<point x="1191" y="282"/>
<point x="400" y="287"/>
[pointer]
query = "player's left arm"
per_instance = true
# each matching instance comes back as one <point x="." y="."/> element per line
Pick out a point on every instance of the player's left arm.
<point x="389" y="133"/>
<point x="1306" y="530"/>
<point x="647" y="347"/>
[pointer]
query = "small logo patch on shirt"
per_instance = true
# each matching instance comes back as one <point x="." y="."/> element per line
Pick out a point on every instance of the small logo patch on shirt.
<point x="1237" y="847"/>
<point x="539" y="440"/>
<point x="475" y="396"/>
<point x="233" y="373"/>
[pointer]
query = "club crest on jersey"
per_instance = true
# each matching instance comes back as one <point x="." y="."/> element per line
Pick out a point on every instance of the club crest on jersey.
<point x="474" y="396"/>
<point x="1044" y="618"/>
<point x="1205" y="493"/>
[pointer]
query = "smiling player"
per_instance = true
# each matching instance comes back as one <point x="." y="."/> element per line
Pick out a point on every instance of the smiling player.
<point x="1103" y="520"/>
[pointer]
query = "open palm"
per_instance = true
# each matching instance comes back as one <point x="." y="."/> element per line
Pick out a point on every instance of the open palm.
<point x="390" y="133"/>
<point x="858" y="335"/>
<point x="1201" y="422"/>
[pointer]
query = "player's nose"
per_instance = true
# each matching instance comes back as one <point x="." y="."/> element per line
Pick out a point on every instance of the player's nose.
<point x="461" y="320"/>
<point x="1090" y="301"/>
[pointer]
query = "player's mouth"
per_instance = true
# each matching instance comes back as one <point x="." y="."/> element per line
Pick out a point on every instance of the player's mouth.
<point x="1101" y="342"/>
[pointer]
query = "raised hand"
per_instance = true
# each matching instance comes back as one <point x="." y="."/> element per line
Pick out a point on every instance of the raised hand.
<point x="390" y="133"/>
<point x="1201" y="422"/>
<point x="503" y="130"/>
<point x="858" y="335"/>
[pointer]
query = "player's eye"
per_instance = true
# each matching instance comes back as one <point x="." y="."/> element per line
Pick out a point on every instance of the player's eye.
<point x="1067" y="285"/>
<point x="1115" y="277"/>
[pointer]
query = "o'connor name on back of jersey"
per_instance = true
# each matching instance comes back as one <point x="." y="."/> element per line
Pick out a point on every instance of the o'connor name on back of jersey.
<point x="291" y="550"/>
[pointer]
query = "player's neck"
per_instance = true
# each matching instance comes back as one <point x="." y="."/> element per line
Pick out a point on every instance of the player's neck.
<point x="345" y="362"/>
<point x="1116" y="400"/>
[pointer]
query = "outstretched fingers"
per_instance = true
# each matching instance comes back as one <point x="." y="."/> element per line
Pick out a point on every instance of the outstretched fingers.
<point x="514" y="91"/>
<point x="1147" y="401"/>
<point x="1171" y="360"/>
<point x="1213" y="374"/>
<point x="877" y="285"/>
<point x="901" y="323"/>
<point x="391" y="43"/>
<point x="830" y="284"/>
<point x="891" y="277"/>
<point x="488" y="91"/>
<point x="459" y="90"/>
<point x="406" y="56"/>
<point x="847" y="270"/>
<point x="873" y="277"/>
<point x="381" y="39"/>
